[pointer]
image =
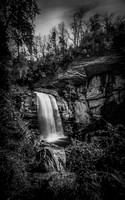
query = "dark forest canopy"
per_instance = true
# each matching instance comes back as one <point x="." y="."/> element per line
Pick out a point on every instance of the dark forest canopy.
<point x="102" y="34"/>
<point x="25" y="59"/>
<point x="16" y="22"/>
<point x="16" y="28"/>
<point x="34" y="56"/>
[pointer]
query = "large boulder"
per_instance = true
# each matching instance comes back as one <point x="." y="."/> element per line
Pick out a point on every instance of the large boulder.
<point x="49" y="158"/>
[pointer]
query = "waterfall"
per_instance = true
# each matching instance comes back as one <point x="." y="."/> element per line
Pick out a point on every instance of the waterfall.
<point x="49" y="119"/>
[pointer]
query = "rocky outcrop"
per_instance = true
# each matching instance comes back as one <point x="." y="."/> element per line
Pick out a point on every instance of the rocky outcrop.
<point x="87" y="88"/>
<point x="49" y="158"/>
<point x="106" y="90"/>
<point x="100" y="92"/>
<point x="29" y="110"/>
<point x="81" y="112"/>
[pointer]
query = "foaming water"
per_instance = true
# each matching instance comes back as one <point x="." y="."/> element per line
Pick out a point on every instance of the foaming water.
<point x="49" y="119"/>
<point x="54" y="138"/>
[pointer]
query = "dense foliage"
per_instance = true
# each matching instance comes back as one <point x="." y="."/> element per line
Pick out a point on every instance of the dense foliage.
<point x="16" y="18"/>
<point x="95" y="167"/>
<point x="16" y="25"/>
<point x="99" y="165"/>
<point x="94" y="170"/>
<point x="101" y="34"/>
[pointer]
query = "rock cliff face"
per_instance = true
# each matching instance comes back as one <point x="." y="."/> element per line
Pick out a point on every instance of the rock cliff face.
<point x="95" y="89"/>
<point x="105" y="93"/>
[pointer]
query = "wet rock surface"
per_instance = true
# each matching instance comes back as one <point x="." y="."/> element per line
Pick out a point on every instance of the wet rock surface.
<point x="95" y="98"/>
<point x="48" y="158"/>
<point x="100" y="92"/>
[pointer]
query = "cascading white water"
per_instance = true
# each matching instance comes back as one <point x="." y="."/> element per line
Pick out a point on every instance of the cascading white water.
<point x="49" y="118"/>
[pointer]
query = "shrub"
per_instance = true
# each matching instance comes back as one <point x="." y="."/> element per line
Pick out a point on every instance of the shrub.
<point x="13" y="174"/>
<point x="99" y="165"/>
<point x="81" y="159"/>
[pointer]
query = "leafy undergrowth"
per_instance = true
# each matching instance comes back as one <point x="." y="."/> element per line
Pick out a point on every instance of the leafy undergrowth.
<point x="95" y="170"/>
<point x="99" y="165"/>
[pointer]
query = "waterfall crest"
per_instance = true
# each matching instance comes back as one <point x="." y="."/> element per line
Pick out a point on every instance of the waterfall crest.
<point x="49" y="119"/>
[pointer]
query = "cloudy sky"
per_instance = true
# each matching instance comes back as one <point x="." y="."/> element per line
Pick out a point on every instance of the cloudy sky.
<point x="55" y="11"/>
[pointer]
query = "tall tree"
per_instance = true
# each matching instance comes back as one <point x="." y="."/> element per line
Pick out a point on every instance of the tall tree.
<point x="17" y="26"/>
<point x="78" y="26"/>
<point x="63" y="37"/>
<point x="39" y="47"/>
<point x="43" y="46"/>
<point x="16" y="19"/>
<point x="52" y="41"/>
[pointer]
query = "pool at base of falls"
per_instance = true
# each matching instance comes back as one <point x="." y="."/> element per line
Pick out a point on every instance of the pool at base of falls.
<point x="60" y="141"/>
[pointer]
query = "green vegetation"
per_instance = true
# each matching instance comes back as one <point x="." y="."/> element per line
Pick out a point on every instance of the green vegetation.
<point x="95" y="168"/>
<point x="99" y="165"/>
<point x="46" y="56"/>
